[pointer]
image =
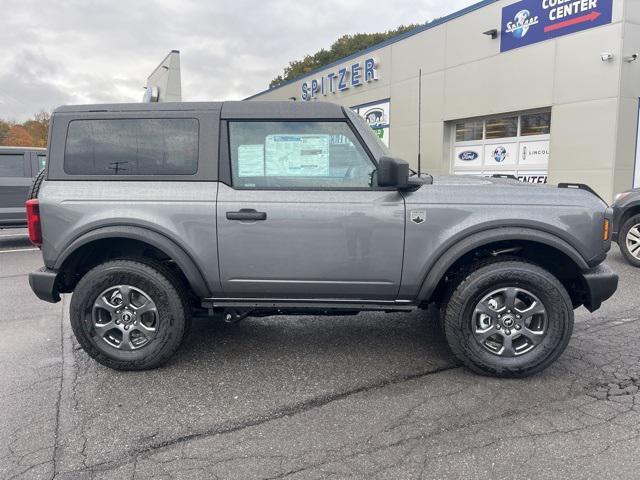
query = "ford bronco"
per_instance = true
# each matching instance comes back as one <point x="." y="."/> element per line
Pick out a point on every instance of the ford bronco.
<point x="151" y="213"/>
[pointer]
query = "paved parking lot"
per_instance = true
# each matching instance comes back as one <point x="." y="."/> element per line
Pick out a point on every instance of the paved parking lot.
<point x="371" y="396"/>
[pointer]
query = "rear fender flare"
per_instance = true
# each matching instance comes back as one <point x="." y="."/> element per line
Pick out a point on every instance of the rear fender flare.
<point x="164" y="244"/>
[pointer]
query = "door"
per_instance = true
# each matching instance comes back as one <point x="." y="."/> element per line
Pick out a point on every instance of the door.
<point x="15" y="180"/>
<point x="301" y="219"/>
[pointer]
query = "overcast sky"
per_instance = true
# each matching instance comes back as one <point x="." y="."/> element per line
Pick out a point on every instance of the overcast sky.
<point x="92" y="51"/>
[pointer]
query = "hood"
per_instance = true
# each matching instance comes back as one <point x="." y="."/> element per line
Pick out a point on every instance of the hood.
<point x="479" y="180"/>
<point x="501" y="192"/>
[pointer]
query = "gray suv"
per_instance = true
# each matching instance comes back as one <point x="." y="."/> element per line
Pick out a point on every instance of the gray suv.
<point x="152" y="213"/>
<point x="18" y="166"/>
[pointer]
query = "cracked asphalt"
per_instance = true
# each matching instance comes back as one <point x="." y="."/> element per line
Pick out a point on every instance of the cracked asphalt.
<point x="373" y="396"/>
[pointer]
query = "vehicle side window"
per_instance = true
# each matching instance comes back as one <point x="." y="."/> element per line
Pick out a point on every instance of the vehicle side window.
<point x="145" y="146"/>
<point x="11" y="165"/>
<point x="42" y="162"/>
<point x="302" y="154"/>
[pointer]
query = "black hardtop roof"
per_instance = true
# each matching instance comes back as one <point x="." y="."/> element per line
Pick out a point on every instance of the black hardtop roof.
<point x="229" y="110"/>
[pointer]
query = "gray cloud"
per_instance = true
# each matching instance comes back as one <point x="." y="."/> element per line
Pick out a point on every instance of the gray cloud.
<point x="80" y="51"/>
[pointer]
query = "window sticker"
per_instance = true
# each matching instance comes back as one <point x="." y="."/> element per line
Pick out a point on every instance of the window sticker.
<point x="297" y="155"/>
<point x="251" y="160"/>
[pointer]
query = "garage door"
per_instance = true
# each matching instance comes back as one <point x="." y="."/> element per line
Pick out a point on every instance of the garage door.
<point x="511" y="144"/>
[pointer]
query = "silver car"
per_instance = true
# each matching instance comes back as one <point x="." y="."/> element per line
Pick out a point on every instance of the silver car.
<point x="18" y="167"/>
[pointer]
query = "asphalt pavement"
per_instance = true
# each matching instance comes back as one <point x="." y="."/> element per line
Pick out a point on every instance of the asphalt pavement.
<point x="373" y="396"/>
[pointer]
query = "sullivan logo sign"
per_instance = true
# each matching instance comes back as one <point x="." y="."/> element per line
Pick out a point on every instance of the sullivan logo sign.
<point x="345" y="77"/>
<point x="533" y="21"/>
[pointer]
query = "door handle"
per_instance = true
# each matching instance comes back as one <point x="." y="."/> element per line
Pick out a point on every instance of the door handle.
<point x="247" y="214"/>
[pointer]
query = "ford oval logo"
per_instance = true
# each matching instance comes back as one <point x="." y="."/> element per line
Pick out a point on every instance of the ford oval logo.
<point x="468" y="156"/>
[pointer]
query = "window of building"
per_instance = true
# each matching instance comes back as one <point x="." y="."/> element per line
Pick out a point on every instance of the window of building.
<point x="11" y="165"/>
<point x="535" y="124"/>
<point x="297" y="155"/>
<point x="469" y="130"/>
<point x="503" y="127"/>
<point x="514" y="144"/>
<point x="148" y="146"/>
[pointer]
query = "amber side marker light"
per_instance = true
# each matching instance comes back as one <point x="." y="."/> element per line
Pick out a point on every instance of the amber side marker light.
<point x="33" y="222"/>
<point x="606" y="229"/>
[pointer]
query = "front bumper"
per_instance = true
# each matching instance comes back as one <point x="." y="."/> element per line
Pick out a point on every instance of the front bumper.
<point x="600" y="283"/>
<point x="44" y="284"/>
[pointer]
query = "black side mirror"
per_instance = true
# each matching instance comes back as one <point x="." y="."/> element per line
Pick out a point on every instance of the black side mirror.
<point x="393" y="172"/>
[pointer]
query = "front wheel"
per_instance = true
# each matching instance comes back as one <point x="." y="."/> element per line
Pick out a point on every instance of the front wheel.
<point x="629" y="240"/>
<point x="508" y="319"/>
<point x="129" y="315"/>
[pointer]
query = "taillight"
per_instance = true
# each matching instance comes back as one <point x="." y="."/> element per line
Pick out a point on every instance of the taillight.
<point x="33" y="221"/>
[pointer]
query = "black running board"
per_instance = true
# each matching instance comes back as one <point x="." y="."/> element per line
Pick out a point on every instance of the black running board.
<point x="280" y="304"/>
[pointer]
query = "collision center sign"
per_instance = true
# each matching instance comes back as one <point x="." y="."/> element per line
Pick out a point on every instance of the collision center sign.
<point x="533" y="21"/>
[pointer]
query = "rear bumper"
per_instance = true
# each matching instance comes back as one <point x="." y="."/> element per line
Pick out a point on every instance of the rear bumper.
<point x="601" y="283"/>
<point x="44" y="284"/>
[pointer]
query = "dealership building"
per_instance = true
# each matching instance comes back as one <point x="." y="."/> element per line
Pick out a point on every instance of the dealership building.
<point x="546" y="90"/>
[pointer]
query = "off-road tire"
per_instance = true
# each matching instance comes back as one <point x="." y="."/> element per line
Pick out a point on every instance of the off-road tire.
<point x="35" y="185"/>
<point x="484" y="277"/>
<point x="163" y="286"/>
<point x="622" y="240"/>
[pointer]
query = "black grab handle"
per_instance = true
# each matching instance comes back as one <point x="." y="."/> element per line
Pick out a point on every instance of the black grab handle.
<point x="247" y="214"/>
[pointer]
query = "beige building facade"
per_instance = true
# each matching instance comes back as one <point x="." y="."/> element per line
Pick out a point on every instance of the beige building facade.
<point x="546" y="90"/>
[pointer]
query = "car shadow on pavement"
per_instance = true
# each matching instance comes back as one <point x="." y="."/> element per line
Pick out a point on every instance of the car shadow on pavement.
<point x="375" y="341"/>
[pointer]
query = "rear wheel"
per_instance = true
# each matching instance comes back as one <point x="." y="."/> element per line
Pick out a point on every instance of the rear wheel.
<point x="129" y="315"/>
<point x="508" y="319"/>
<point x="629" y="240"/>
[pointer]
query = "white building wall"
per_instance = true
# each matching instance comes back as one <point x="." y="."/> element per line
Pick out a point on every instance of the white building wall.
<point x="464" y="75"/>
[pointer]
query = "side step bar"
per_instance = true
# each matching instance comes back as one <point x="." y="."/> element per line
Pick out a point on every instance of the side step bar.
<point x="278" y="304"/>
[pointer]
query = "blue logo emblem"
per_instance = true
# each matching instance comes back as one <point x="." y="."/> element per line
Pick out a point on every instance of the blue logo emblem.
<point x="499" y="154"/>
<point x="468" y="156"/>
<point x="521" y="23"/>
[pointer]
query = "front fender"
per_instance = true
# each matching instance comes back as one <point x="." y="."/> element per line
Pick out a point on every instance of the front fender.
<point x="479" y="239"/>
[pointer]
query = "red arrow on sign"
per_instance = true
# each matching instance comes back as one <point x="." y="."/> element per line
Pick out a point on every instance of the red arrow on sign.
<point x="590" y="17"/>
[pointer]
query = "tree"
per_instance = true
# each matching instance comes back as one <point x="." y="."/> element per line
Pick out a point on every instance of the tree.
<point x="32" y="133"/>
<point x="343" y="47"/>
<point x="18" y="136"/>
<point x="4" y="130"/>
<point x="38" y="128"/>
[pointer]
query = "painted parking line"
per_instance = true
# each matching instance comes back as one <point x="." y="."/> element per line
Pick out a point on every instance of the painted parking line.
<point x="19" y="250"/>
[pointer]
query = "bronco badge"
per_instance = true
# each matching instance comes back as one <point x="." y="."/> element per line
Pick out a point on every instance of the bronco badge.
<point x="418" y="216"/>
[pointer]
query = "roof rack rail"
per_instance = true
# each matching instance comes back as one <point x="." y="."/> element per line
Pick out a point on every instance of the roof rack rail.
<point x="580" y="186"/>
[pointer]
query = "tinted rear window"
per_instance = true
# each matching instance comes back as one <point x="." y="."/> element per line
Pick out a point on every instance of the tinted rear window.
<point x="11" y="165"/>
<point x="146" y="146"/>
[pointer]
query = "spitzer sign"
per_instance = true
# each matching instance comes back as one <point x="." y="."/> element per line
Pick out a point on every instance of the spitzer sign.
<point x="532" y="21"/>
